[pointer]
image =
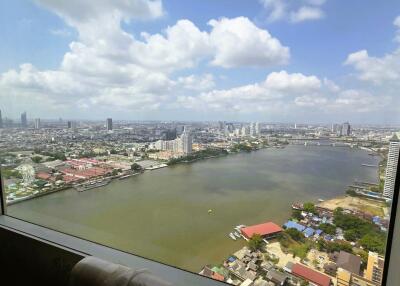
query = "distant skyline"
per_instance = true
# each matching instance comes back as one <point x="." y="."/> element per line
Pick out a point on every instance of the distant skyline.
<point x="306" y="61"/>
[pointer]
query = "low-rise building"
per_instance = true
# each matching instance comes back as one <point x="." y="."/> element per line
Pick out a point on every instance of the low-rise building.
<point x="314" y="277"/>
<point x="267" y="230"/>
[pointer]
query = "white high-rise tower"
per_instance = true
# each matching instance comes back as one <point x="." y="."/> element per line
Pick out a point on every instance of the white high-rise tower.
<point x="391" y="168"/>
<point x="187" y="141"/>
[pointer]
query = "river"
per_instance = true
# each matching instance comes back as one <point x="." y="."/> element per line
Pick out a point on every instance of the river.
<point x="163" y="214"/>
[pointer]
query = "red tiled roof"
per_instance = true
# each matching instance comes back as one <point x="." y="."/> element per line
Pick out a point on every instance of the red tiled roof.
<point x="311" y="275"/>
<point x="217" y="276"/>
<point x="261" y="229"/>
<point x="43" y="176"/>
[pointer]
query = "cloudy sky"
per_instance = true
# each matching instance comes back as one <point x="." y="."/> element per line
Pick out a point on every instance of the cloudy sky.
<point x="311" y="61"/>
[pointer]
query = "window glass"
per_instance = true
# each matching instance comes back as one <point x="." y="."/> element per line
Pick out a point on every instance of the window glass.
<point x="252" y="142"/>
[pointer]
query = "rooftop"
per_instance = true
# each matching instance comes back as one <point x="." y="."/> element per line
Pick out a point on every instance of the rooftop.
<point x="311" y="275"/>
<point x="349" y="262"/>
<point x="263" y="229"/>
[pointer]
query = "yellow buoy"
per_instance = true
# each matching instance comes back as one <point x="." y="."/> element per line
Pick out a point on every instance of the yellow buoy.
<point x="209" y="211"/>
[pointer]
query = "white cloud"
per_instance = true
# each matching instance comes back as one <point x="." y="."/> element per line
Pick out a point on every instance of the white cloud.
<point x="182" y="47"/>
<point x="197" y="83"/>
<point x="287" y="94"/>
<point x="276" y="88"/>
<point x="81" y="11"/>
<point x="331" y="85"/>
<point x="359" y="101"/>
<point x="276" y="9"/>
<point x="295" y="82"/>
<point x="374" y="69"/>
<point x="309" y="101"/>
<point x="293" y="11"/>
<point x="378" y="70"/>
<point x="306" y="13"/>
<point x="238" y="42"/>
<point x="106" y="67"/>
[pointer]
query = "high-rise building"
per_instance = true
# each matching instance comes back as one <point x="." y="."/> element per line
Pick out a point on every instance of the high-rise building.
<point x="374" y="269"/>
<point x="252" y="129"/>
<point x="245" y="130"/>
<point x="258" y="128"/>
<point x="37" y="123"/>
<point x="221" y="125"/>
<point x="24" y="120"/>
<point x="346" y="129"/>
<point x="187" y="141"/>
<point x="109" y="124"/>
<point x="1" y="120"/>
<point x="169" y="134"/>
<point x="71" y="125"/>
<point x="391" y="167"/>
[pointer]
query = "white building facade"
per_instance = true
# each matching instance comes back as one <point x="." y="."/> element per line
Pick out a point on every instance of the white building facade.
<point x="391" y="168"/>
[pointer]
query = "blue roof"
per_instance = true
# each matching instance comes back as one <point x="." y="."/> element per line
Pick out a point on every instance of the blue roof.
<point x="231" y="259"/>
<point x="318" y="231"/>
<point x="292" y="224"/>
<point x="308" y="231"/>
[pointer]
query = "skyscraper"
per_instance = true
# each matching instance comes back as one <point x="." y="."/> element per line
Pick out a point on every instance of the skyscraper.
<point x="24" y="120"/>
<point x="187" y="142"/>
<point x="258" y="128"/>
<point x="252" y="129"/>
<point x="391" y="167"/>
<point x="346" y="129"/>
<point x="37" y="123"/>
<point x="221" y="125"/>
<point x="109" y="124"/>
<point x="1" y="121"/>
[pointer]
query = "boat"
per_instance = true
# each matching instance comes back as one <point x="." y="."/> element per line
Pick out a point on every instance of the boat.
<point x="237" y="234"/>
<point x="231" y="235"/>
<point x="92" y="185"/>
<point x="238" y="227"/>
<point x="297" y="206"/>
<point x="321" y="200"/>
<point x="127" y="176"/>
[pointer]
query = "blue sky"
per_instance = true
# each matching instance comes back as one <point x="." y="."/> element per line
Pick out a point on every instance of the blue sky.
<point x="267" y="60"/>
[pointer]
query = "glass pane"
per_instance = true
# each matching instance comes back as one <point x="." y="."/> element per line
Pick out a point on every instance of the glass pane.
<point x="247" y="142"/>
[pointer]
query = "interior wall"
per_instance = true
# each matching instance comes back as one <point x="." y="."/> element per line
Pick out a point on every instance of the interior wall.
<point x="27" y="261"/>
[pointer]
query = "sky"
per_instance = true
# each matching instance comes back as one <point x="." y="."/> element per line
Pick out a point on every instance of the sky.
<point x="304" y="61"/>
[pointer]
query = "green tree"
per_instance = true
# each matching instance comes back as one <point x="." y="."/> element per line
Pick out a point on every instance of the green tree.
<point x="304" y="283"/>
<point x="338" y="210"/>
<point x="295" y="234"/>
<point x="374" y="242"/>
<point x="351" y="235"/>
<point x="255" y="242"/>
<point x="36" y="159"/>
<point x="327" y="228"/>
<point x="136" y="167"/>
<point x="309" y="207"/>
<point x="297" y="214"/>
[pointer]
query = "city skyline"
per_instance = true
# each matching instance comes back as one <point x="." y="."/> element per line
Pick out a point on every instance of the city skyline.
<point x="337" y="124"/>
<point x="164" y="61"/>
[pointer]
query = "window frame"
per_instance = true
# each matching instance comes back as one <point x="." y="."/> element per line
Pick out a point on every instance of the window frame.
<point x="389" y="278"/>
